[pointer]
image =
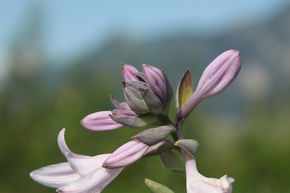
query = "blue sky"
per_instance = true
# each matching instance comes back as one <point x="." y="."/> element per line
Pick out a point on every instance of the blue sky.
<point x="71" y="26"/>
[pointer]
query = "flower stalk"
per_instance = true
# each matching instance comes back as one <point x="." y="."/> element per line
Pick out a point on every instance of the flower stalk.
<point x="147" y="100"/>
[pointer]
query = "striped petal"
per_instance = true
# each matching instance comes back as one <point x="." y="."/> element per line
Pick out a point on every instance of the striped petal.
<point x="100" y="121"/>
<point x="129" y="73"/>
<point x="93" y="182"/>
<point x="126" y="154"/>
<point x="156" y="80"/>
<point x="55" y="176"/>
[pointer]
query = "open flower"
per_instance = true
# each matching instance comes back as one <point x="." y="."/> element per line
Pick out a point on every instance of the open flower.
<point x="81" y="174"/>
<point x="197" y="183"/>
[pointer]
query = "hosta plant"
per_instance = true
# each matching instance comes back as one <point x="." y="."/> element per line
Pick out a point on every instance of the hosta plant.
<point x="147" y="95"/>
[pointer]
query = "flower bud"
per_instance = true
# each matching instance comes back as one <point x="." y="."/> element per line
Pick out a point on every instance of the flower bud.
<point x="159" y="148"/>
<point x="190" y="146"/>
<point x="219" y="74"/>
<point x="100" y="121"/>
<point x="156" y="80"/>
<point x="126" y="154"/>
<point x="154" y="135"/>
<point x="123" y="112"/>
<point x="135" y="100"/>
<point x="119" y="105"/>
<point x="152" y="101"/>
<point x="129" y="73"/>
<point x="216" y="77"/>
<point x="129" y="121"/>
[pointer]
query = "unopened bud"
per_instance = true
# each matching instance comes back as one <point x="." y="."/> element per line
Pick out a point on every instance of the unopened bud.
<point x="129" y="73"/>
<point x="135" y="100"/>
<point x="215" y="78"/>
<point x="156" y="80"/>
<point x="188" y="145"/>
<point x="126" y="154"/>
<point x="154" y="135"/>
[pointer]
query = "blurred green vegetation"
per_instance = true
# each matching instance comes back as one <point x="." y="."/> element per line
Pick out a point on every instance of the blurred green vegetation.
<point x="37" y="99"/>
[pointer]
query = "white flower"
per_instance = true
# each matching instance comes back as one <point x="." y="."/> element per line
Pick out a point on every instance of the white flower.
<point x="197" y="183"/>
<point x="81" y="174"/>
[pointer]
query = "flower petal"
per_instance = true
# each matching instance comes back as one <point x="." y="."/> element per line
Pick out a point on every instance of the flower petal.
<point x="156" y="80"/>
<point x="197" y="183"/>
<point x="126" y="154"/>
<point x="55" y="176"/>
<point x="93" y="182"/>
<point x="123" y="112"/>
<point x="219" y="73"/>
<point x="80" y="163"/>
<point x="129" y="73"/>
<point x="100" y="121"/>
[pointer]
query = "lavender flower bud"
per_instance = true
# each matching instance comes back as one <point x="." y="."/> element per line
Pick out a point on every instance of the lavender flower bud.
<point x="156" y="80"/>
<point x="99" y="121"/>
<point x="129" y="73"/>
<point x="215" y="78"/>
<point x="126" y="154"/>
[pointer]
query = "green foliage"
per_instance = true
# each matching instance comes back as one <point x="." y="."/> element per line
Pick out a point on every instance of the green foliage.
<point x="184" y="90"/>
<point x="156" y="187"/>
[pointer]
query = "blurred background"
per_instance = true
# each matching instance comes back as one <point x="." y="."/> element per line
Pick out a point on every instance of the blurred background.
<point x="61" y="60"/>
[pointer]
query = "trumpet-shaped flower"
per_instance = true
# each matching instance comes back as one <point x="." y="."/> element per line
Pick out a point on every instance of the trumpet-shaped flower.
<point x="81" y="174"/>
<point x="197" y="183"/>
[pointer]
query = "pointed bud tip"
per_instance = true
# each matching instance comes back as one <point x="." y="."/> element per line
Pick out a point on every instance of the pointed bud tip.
<point x="234" y="52"/>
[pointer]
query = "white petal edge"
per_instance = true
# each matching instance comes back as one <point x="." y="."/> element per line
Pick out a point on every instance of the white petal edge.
<point x="93" y="182"/>
<point x="55" y="176"/>
<point x="81" y="163"/>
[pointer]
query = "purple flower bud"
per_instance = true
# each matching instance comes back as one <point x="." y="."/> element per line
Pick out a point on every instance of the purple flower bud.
<point x="129" y="73"/>
<point x="156" y="81"/>
<point x="126" y="154"/>
<point x="123" y="112"/>
<point x="216" y="77"/>
<point x="100" y="121"/>
<point x="219" y="73"/>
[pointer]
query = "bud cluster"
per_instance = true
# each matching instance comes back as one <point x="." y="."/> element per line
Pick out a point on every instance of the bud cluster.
<point x="147" y="100"/>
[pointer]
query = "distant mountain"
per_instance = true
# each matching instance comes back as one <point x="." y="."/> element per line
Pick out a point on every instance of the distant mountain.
<point x="265" y="50"/>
